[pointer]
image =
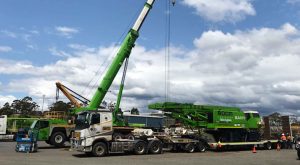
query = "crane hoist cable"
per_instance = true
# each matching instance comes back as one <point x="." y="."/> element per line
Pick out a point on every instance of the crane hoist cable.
<point x="167" y="48"/>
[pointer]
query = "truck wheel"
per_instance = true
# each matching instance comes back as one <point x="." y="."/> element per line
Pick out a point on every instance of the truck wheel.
<point x="268" y="146"/>
<point x="155" y="147"/>
<point x="201" y="147"/>
<point x="99" y="149"/>
<point x="190" y="147"/>
<point x="58" y="139"/>
<point x="140" y="148"/>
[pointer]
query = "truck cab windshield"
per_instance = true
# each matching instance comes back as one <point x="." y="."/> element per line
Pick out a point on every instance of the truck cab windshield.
<point x="82" y="121"/>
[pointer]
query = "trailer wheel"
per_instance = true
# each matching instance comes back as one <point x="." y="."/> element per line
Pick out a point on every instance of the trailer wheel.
<point x="190" y="147"/>
<point x="155" y="147"/>
<point x="140" y="148"/>
<point x="201" y="147"/>
<point x="99" y="149"/>
<point x="58" y="139"/>
<point x="268" y="146"/>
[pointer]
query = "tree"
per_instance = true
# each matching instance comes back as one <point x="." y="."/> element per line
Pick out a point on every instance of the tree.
<point x="61" y="106"/>
<point x="25" y="106"/>
<point x="134" y="111"/>
<point x="6" y="110"/>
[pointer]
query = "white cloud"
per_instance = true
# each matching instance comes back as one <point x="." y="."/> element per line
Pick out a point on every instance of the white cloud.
<point x="254" y="69"/>
<point x="66" y="31"/>
<point x="222" y="10"/>
<point x="5" y="49"/>
<point x="9" y="33"/>
<point x="293" y="1"/>
<point x="5" y="99"/>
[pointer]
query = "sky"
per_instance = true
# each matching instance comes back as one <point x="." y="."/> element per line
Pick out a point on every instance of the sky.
<point x="242" y="53"/>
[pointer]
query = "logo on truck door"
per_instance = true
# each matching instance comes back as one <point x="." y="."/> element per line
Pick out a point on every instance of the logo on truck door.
<point x="106" y="128"/>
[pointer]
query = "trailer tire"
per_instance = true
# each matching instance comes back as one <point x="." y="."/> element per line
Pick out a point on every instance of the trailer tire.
<point x="99" y="149"/>
<point x="268" y="146"/>
<point x="58" y="139"/>
<point x="190" y="147"/>
<point x="155" y="147"/>
<point x="140" y="148"/>
<point x="201" y="147"/>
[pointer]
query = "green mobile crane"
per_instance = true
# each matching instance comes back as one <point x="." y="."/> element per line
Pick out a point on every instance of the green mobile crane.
<point x="220" y="126"/>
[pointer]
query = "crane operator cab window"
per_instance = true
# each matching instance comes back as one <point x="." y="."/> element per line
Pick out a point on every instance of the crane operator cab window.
<point x="247" y="115"/>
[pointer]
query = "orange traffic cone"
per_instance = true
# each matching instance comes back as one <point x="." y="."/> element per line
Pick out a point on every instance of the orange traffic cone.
<point x="278" y="147"/>
<point x="254" y="149"/>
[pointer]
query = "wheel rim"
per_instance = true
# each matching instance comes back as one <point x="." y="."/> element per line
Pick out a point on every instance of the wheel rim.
<point x="140" y="148"/>
<point x="155" y="147"/>
<point x="201" y="148"/>
<point x="99" y="150"/>
<point x="58" y="139"/>
<point x="190" y="148"/>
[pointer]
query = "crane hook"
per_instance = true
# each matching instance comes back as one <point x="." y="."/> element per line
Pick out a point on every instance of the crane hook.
<point x="173" y="2"/>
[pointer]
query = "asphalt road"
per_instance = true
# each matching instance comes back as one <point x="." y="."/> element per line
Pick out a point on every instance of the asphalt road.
<point x="47" y="155"/>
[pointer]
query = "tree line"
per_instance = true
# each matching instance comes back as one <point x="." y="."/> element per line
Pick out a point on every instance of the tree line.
<point x="26" y="107"/>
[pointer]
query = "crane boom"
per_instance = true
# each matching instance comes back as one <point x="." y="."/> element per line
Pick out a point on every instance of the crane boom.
<point x="68" y="94"/>
<point x="124" y="52"/>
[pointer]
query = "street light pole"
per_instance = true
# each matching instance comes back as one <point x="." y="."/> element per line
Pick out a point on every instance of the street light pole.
<point x="43" y="103"/>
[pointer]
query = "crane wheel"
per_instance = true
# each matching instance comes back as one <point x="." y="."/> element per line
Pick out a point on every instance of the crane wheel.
<point x="58" y="139"/>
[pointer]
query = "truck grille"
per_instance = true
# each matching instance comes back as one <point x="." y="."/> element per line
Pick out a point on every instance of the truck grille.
<point x="77" y="135"/>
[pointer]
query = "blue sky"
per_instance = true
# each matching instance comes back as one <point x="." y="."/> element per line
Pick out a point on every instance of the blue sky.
<point x="41" y="38"/>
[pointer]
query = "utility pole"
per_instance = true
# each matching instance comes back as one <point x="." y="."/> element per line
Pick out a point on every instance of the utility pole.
<point x="43" y="103"/>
